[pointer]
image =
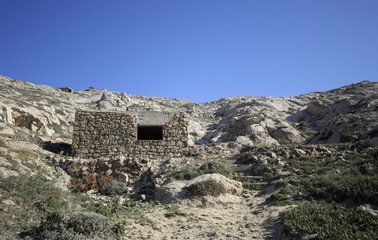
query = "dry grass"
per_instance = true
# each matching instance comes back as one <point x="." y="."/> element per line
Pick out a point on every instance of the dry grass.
<point x="91" y="181"/>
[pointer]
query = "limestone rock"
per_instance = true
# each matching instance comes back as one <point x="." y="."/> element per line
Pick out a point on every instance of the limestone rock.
<point x="283" y="131"/>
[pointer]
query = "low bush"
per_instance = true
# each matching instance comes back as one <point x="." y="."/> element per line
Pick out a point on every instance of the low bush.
<point x="114" y="188"/>
<point x="329" y="221"/>
<point x="205" y="188"/>
<point x="279" y="199"/>
<point x="79" y="225"/>
<point x="186" y="173"/>
<point x="211" y="166"/>
<point x="90" y="181"/>
<point x="173" y="211"/>
<point x="216" y="166"/>
<point x="192" y="153"/>
<point x="247" y="158"/>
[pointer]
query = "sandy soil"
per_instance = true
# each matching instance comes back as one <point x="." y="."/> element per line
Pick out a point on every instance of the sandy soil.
<point x="252" y="218"/>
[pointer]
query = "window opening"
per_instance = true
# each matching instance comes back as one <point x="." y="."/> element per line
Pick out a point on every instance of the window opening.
<point x="150" y="133"/>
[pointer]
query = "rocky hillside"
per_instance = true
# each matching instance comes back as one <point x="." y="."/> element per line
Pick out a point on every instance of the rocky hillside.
<point x="256" y="169"/>
<point x="341" y="115"/>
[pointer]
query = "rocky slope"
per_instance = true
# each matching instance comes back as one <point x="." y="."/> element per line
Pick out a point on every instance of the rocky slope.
<point x="343" y="114"/>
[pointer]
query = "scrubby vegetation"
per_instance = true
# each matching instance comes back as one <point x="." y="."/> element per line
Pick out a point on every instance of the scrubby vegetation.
<point x="114" y="188"/>
<point x="211" y="166"/>
<point x="78" y="225"/>
<point x="34" y="208"/>
<point x="173" y="211"/>
<point x="26" y="199"/>
<point x="216" y="166"/>
<point x="352" y="179"/>
<point x="206" y="188"/>
<point x="279" y="199"/>
<point x="357" y="189"/>
<point x="341" y="185"/>
<point x="330" y="221"/>
<point x="91" y="181"/>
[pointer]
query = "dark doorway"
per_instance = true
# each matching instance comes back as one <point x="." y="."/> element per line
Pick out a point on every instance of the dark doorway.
<point x="150" y="132"/>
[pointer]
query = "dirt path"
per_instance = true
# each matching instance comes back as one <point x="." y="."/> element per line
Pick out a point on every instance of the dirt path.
<point x="249" y="219"/>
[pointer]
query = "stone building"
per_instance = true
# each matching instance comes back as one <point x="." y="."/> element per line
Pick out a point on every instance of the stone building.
<point x="147" y="135"/>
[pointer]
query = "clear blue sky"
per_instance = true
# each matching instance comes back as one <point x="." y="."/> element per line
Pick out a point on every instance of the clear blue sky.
<point x="200" y="50"/>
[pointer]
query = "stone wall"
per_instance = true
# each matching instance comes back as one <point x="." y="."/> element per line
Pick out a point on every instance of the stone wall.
<point x="110" y="134"/>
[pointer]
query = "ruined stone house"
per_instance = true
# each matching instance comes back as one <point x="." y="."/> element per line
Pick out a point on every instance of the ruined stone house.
<point x="144" y="135"/>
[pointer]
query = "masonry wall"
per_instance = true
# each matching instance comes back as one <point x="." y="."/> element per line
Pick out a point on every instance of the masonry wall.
<point x="109" y="134"/>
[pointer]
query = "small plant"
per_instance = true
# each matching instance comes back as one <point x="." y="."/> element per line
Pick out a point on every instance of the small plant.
<point x="186" y="173"/>
<point x="173" y="211"/>
<point x="192" y="153"/>
<point x="216" y="166"/>
<point x="211" y="166"/>
<point x="114" y="188"/>
<point x="247" y="157"/>
<point x="205" y="188"/>
<point x="56" y="128"/>
<point x="279" y="199"/>
<point x="90" y="181"/>
<point x="60" y="112"/>
<point x="2" y="144"/>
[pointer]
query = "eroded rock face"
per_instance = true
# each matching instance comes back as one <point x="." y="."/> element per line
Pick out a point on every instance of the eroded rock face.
<point x="24" y="119"/>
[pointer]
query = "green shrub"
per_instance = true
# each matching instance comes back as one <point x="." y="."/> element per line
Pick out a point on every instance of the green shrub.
<point x="279" y="199"/>
<point x="173" y="211"/>
<point x="186" y="173"/>
<point x="192" y="153"/>
<point x="114" y="188"/>
<point x="79" y="225"/>
<point x="2" y="144"/>
<point x="207" y="187"/>
<point x="57" y="129"/>
<point x="305" y="165"/>
<point x="247" y="158"/>
<point x="329" y="221"/>
<point x="216" y="166"/>
<point x="211" y="166"/>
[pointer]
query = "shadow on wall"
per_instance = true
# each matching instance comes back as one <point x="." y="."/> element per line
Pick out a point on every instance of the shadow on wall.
<point x="58" y="148"/>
